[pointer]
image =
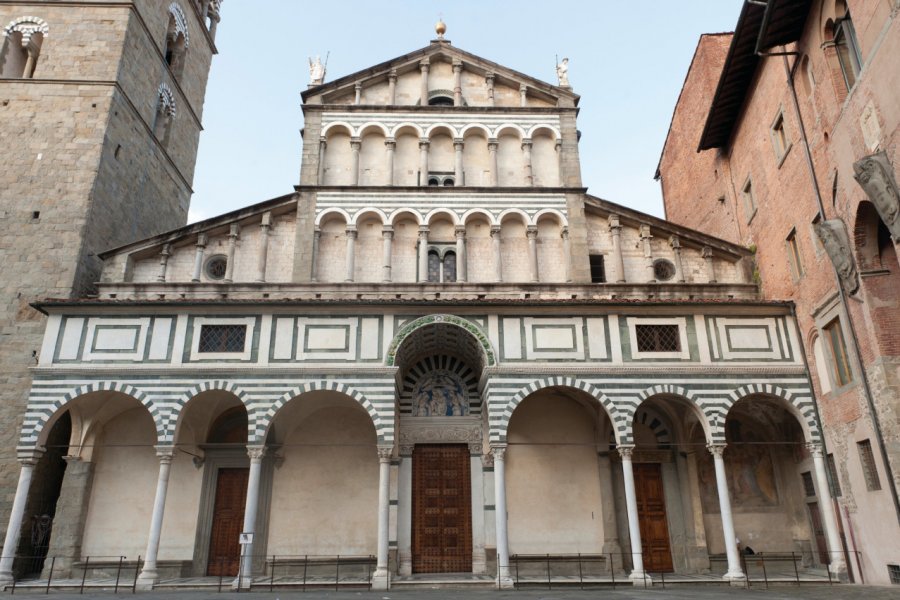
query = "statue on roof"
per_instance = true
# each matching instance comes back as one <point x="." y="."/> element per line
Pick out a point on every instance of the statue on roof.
<point x="562" y="72"/>
<point x="316" y="71"/>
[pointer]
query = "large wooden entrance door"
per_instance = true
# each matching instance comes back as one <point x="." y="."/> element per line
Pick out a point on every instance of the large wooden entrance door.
<point x="651" y="503"/>
<point x="818" y="532"/>
<point x="227" y="522"/>
<point x="442" y="509"/>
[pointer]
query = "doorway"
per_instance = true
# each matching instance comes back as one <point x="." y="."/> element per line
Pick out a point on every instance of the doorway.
<point x="654" y="524"/>
<point x="227" y="522"/>
<point x="441" y="509"/>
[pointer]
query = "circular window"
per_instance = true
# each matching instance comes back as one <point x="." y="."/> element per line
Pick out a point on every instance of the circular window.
<point x="216" y="266"/>
<point x="663" y="270"/>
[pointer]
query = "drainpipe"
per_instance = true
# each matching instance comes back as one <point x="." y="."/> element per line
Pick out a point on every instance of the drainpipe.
<point x="841" y="294"/>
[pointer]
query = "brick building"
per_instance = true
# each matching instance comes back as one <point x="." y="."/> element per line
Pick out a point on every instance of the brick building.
<point x="785" y="140"/>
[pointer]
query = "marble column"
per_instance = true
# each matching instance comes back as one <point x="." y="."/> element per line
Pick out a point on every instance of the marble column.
<point x="265" y="225"/>
<point x="381" y="577"/>
<point x="390" y="145"/>
<point x="404" y="511"/>
<point x="504" y="580"/>
<point x="835" y="550"/>
<point x="638" y="576"/>
<point x="523" y="95"/>
<point x="457" y="82"/>
<point x="646" y="238"/>
<point x="458" y="146"/>
<point x="567" y="250"/>
<point x="493" y="144"/>
<point x="317" y="233"/>
<point x="526" y="152"/>
<point x="495" y="242"/>
<point x="351" y="253"/>
<point x="531" y="232"/>
<point x="355" y="145"/>
<point x="423" y="161"/>
<point x="387" y="236"/>
<point x="149" y="574"/>
<point x="675" y="244"/>
<point x="198" y="257"/>
<point x="323" y="146"/>
<point x="734" y="562"/>
<point x="707" y="254"/>
<point x="424" y="65"/>
<point x="489" y="82"/>
<point x="16" y="515"/>
<point x="615" y="232"/>
<point x="423" y="253"/>
<point x="234" y="233"/>
<point x="461" y="274"/>
<point x="164" y="255"/>
<point x="251" y="507"/>
<point x="392" y="87"/>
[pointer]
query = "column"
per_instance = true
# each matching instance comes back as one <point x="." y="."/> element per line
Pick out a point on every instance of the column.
<point x="164" y="261"/>
<point x="675" y="244"/>
<point x="476" y="474"/>
<point x="492" y="149"/>
<point x="264" y="226"/>
<point x="495" y="242"/>
<point x="615" y="231"/>
<point x="71" y="514"/>
<point x="11" y="543"/>
<point x="531" y="232"/>
<point x="198" y="257"/>
<point x="355" y="144"/>
<point x="457" y="82"/>
<point x="607" y="511"/>
<point x="351" y="252"/>
<point x="423" y="253"/>
<point x="404" y="511"/>
<point x="390" y="145"/>
<point x="646" y="236"/>
<point x="559" y="163"/>
<point x="835" y="550"/>
<point x="381" y="577"/>
<point x="317" y="233"/>
<point x="30" y="61"/>
<point x="458" y="146"/>
<point x="392" y="87"/>
<point x="423" y="161"/>
<point x="503" y="576"/>
<point x="567" y="250"/>
<point x="387" y="236"/>
<point x="358" y="93"/>
<point x="423" y="86"/>
<point x="250" y="508"/>
<point x="233" y="233"/>
<point x="734" y="561"/>
<point x="529" y="172"/>
<point x="149" y="575"/>
<point x="638" y="577"/>
<point x="707" y="254"/>
<point x="523" y="95"/>
<point x="489" y="82"/>
<point x="323" y="145"/>
<point x="461" y="253"/>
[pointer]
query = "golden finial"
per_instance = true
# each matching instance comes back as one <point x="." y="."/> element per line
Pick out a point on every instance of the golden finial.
<point x="440" y="28"/>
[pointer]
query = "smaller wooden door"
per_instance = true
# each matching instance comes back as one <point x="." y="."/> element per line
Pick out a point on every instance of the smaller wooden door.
<point x="819" y="532"/>
<point x="227" y="522"/>
<point x="651" y="503"/>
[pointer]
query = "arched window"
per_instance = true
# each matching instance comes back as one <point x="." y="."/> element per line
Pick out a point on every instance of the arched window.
<point x="21" y="47"/>
<point x="847" y="48"/>
<point x="449" y="271"/>
<point x="177" y="40"/>
<point x="165" y="113"/>
<point x="441" y="101"/>
<point x="434" y="267"/>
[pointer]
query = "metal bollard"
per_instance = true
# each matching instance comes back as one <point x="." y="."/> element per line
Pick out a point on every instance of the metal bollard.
<point x="137" y="570"/>
<point x="50" y="574"/>
<point x="118" y="574"/>
<point x="84" y="574"/>
<point x="796" y="572"/>
<point x="612" y="569"/>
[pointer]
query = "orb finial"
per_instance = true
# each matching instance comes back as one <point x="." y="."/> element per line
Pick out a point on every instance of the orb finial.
<point x="440" y="28"/>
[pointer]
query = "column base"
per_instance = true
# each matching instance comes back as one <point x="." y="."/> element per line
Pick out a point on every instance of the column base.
<point x="147" y="579"/>
<point x="6" y="579"/>
<point x="838" y="570"/>
<point x="381" y="580"/>
<point x="736" y="578"/>
<point x="640" y="579"/>
<point x="505" y="582"/>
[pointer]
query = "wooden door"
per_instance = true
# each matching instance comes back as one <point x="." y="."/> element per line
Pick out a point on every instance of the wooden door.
<point x="442" y="509"/>
<point x="227" y="522"/>
<point x="651" y="503"/>
<point x="819" y="532"/>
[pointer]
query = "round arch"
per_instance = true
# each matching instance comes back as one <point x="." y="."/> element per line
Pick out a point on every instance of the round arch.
<point x="176" y="416"/>
<point x="546" y="212"/>
<point x="801" y="407"/>
<point x="526" y="220"/>
<point x="333" y="211"/>
<point x="681" y="394"/>
<point x="405" y="211"/>
<point x="407" y="330"/>
<point x="369" y="211"/>
<point x="501" y="129"/>
<point x="473" y="212"/>
<point x="441" y="128"/>
<point x="398" y="129"/>
<point x="543" y="127"/>
<point x="472" y="128"/>
<point x="371" y="125"/>
<point x="454" y="218"/>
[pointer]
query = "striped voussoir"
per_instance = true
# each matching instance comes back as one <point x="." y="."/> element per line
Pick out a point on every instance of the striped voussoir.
<point x="801" y="401"/>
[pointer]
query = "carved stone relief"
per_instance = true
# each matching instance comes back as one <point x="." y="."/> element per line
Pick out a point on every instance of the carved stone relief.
<point x="876" y="176"/>
<point x="833" y="234"/>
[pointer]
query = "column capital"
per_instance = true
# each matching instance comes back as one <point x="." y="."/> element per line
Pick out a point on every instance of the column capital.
<point x="564" y="233"/>
<point x="459" y="143"/>
<point x="166" y="250"/>
<point x="424" y="143"/>
<point x="385" y="453"/>
<point x="498" y="451"/>
<point x="317" y="231"/>
<point x="495" y="230"/>
<point x="526" y="143"/>
<point x="614" y="224"/>
<point x="717" y="450"/>
<point x="31" y="456"/>
<point x="392" y="75"/>
<point x="531" y="232"/>
<point x="815" y="449"/>
<point x="323" y="142"/>
<point x="645" y="232"/>
<point x="523" y="87"/>
<point x="202" y="240"/>
<point x="625" y="450"/>
<point x="165" y="454"/>
<point x="674" y="242"/>
<point x="460" y="231"/>
<point x="351" y="231"/>
<point x="424" y="64"/>
<point x="390" y="143"/>
<point x="387" y="231"/>
<point x="406" y="450"/>
<point x="457" y="64"/>
<point x="706" y="252"/>
<point x="355" y="143"/>
<point x="492" y="144"/>
<point x="234" y="231"/>
<point x="558" y="145"/>
<point x="357" y="86"/>
<point x="489" y="78"/>
<point x="256" y="452"/>
<point x="423" y="230"/>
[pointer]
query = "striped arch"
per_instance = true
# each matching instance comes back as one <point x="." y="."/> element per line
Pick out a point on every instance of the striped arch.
<point x="801" y="406"/>
<point x="172" y="419"/>
<point x="666" y="389"/>
<point x="261" y="421"/>
<point x="32" y="429"/>
<point x="502" y="427"/>
<point x="407" y="330"/>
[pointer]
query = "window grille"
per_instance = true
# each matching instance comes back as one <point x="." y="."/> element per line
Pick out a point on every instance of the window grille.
<point x="216" y="267"/>
<point x="808" y="488"/>
<point x="598" y="269"/>
<point x="663" y="270"/>
<point x="222" y="338"/>
<point x="870" y="472"/>
<point x="894" y="574"/>
<point x="658" y="338"/>
<point x="835" y="482"/>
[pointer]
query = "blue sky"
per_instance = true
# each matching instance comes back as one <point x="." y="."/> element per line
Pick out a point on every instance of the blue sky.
<point x="627" y="60"/>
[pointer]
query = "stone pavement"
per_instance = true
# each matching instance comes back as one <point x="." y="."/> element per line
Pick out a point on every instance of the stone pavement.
<point x="782" y="592"/>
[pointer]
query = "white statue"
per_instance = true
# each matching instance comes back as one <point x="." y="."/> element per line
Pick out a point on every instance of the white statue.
<point x="562" y="72"/>
<point x="316" y="71"/>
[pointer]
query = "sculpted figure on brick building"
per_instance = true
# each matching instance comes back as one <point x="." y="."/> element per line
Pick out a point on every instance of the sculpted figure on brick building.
<point x="875" y="175"/>
<point x="834" y="237"/>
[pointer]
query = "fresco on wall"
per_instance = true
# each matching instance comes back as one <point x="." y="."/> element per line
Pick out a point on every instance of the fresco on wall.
<point x="440" y="393"/>
<point x="751" y="478"/>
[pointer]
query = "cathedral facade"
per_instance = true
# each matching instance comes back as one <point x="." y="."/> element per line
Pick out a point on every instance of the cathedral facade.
<point x="438" y="350"/>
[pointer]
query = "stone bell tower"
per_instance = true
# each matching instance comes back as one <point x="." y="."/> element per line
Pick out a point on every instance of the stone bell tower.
<point x="100" y="115"/>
